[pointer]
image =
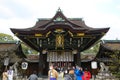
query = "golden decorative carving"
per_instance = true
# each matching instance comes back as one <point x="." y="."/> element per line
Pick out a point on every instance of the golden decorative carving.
<point x="48" y="33"/>
<point x="80" y="34"/>
<point x="38" y="35"/>
<point x="59" y="30"/>
<point x="59" y="40"/>
<point x="70" y="33"/>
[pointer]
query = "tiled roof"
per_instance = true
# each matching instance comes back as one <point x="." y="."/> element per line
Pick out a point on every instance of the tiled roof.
<point x="11" y="49"/>
<point x="9" y="42"/>
<point x="107" y="47"/>
<point x="111" y="44"/>
<point x="33" y="57"/>
<point x="73" y="27"/>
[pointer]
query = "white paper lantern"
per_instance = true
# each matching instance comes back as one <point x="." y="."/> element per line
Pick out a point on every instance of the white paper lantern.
<point x="6" y="61"/>
<point x="24" y="65"/>
<point x="94" y="65"/>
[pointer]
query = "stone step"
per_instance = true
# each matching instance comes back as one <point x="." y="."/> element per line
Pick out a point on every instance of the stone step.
<point x="106" y="74"/>
<point x="105" y="79"/>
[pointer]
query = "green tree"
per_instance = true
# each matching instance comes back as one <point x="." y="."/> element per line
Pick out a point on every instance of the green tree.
<point x="5" y="37"/>
<point x="27" y="49"/>
<point x="115" y="65"/>
<point x="94" y="49"/>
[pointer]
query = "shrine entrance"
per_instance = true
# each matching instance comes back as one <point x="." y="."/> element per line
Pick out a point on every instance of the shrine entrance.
<point x="59" y="36"/>
<point x="61" y="59"/>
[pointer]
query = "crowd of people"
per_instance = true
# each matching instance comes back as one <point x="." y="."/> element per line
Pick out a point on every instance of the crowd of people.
<point x="7" y="74"/>
<point x="72" y="73"/>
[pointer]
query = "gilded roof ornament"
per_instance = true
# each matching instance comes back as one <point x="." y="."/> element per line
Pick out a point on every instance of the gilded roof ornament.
<point x="59" y="10"/>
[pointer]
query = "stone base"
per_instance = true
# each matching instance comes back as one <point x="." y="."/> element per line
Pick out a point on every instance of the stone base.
<point x="105" y="76"/>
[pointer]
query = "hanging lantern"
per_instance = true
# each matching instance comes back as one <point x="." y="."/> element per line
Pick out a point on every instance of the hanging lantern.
<point x="94" y="65"/>
<point x="6" y="61"/>
<point x="24" y="65"/>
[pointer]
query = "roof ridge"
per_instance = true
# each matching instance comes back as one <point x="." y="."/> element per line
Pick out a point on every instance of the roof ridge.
<point x="111" y="41"/>
<point x="4" y="42"/>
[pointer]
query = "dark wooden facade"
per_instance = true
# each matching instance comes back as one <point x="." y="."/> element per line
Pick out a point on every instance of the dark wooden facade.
<point x="33" y="62"/>
<point x="60" y="34"/>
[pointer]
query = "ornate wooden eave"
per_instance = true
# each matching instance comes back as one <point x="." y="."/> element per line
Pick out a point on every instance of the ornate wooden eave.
<point x="74" y="32"/>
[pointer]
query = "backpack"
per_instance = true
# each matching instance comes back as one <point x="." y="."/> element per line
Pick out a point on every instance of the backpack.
<point x="70" y="77"/>
<point x="87" y="74"/>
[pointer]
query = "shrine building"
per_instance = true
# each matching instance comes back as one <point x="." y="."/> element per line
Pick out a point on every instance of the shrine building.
<point x="59" y="40"/>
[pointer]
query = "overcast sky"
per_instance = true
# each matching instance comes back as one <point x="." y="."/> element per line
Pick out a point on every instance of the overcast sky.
<point x="96" y="13"/>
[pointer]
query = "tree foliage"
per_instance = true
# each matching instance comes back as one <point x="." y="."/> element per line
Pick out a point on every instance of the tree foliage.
<point x="27" y="49"/>
<point x="8" y="38"/>
<point x="115" y="65"/>
<point x="94" y="49"/>
<point x="5" y="37"/>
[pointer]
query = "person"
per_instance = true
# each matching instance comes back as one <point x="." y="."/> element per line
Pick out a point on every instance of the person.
<point x="52" y="73"/>
<point x="87" y="74"/>
<point x="57" y="69"/>
<point x="10" y="73"/>
<point x="66" y="71"/>
<point x="5" y="75"/>
<point x="71" y="75"/>
<point x="33" y="76"/>
<point x="79" y="73"/>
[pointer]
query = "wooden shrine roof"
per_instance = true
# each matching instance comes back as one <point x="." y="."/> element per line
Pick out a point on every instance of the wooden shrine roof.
<point x="108" y="47"/>
<point x="59" y="21"/>
<point x="73" y="28"/>
<point x="11" y="49"/>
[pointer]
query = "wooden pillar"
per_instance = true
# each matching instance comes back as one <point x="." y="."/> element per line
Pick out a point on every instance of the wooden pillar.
<point x="41" y="63"/>
<point x="79" y="52"/>
<point x="79" y="58"/>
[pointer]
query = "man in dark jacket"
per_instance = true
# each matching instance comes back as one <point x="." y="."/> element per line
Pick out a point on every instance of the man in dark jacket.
<point x="33" y="76"/>
<point x="71" y="75"/>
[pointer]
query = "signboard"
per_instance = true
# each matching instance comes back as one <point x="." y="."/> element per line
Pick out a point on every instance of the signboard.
<point x="94" y="65"/>
<point x="24" y="65"/>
